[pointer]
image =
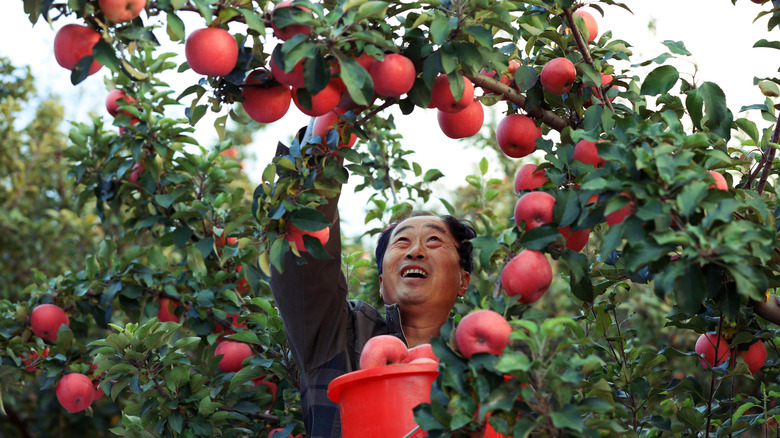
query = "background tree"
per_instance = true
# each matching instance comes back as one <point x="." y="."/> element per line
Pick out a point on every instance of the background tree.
<point x="178" y="266"/>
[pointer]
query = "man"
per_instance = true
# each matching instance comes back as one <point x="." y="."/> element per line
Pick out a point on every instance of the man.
<point x="425" y="264"/>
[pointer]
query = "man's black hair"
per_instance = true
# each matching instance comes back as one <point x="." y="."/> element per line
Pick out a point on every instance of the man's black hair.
<point x="461" y="230"/>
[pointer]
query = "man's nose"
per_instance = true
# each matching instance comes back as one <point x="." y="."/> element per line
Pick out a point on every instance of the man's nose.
<point x="416" y="251"/>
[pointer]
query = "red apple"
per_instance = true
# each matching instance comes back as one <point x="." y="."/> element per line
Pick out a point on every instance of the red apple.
<point x="586" y="152"/>
<point x="98" y="393"/>
<point x="422" y="351"/>
<point x="590" y="23"/>
<point x="534" y="209"/>
<point x="75" y="392"/>
<point x="464" y="123"/>
<point x="72" y="43"/>
<point x="442" y="98"/>
<point x="211" y="51"/>
<point x="482" y="331"/>
<point x="167" y="310"/>
<point x="117" y="98"/>
<point x="135" y="173"/>
<point x="286" y="32"/>
<point x="382" y="350"/>
<point x="322" y="102"/>
<point x="720" y="181"/>
<point x="516" y="135"/>
<point x="528" y="274"/>
<point x="242" y="286"/>
<point x="46" y="320"/>
<point x="265" y="102"/>
<point x="234" y="353"/>
<point x="620" y="214"/>
<point x="121" y="11"/>
<point x="295" y="236"/>
<point x="558" y="75"/>
<point x="329" y="121"/>
<point x="392" y="76"/>
<point x="706" y="347"/>
<point x="293" y="78"/>
<point x="220" y="241"/>
<point x="529" y="178"/>
<point x="28" y="360"/>
<point x="576" y="240"/>
<point x="605" y="80"/>
<point x="755" y="356"/>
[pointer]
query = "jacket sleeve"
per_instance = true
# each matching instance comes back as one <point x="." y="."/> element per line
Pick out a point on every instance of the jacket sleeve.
<point x="312" y="299"/>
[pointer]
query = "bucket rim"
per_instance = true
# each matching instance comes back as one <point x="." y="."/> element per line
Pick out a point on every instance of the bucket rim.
<point x="336" y="386"/>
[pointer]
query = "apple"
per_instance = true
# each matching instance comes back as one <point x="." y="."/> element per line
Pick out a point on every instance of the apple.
<point x="46" y="320"/>
<point x="135" y="173"/>
<point x="383" y="350"/>
<point x="329" y="121"/>
<point x="419" y="352"/>
<point x="534" y="209"/>
<point x="528" y="177"/>
<point x="242" y="286"/>
<point x="620" y="214"/>
<point x="28" y="360"/>
<point x="220" y="241"/>
<point x="121" y="11"/>
<point x="265" y="102"/>
<point x="558" y="75"/>
<point x="295" y="236"/>
<point x="482" y="331"/>
<point x="442" y="98"/>
<point x="720" y="181"/>
<point x="167" y="310"/>
<point x="576" y="240"/>
<point x="75" y="392"/>
<point x="528" y="274"/>
<point x="392" y="76"/>
<point x="293" y="78"/>
<point x="117" y="98"/>
<point x="590" y="23"/>
<point x="586" y="152"/>
<point x="706" y="347"/>
<point x="605" y="80"/>
<point x="72" y="43"/>
<point x="755" y="356"/>
<point x="284" y="33"/>
<point x="211" y="51"/>
<point x="234" y="353"/>
<point x="464" y="123"/>
<point x="516" y="135"/>
<point x="322" y="102"/>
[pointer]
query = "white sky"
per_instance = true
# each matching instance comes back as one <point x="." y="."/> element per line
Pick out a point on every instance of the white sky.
<point x="720" y="36"/>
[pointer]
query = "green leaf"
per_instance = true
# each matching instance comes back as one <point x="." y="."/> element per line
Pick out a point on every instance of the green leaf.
<point x="749" y="128"/>
<point x="677" y="47"/>
<point x="690" y="289"/>
<point x="690" y="197"/>
<point x="763" y="43"/>
<point x="695" y="105"/>
<point x="526" y="77"/>
<point x="175" y="27"/>
<point x="660" y="80"/>
<point x="357" y="80"/>
<point x="482" y="35"/>
<point x="441" y="27"/>
<point x="718" y="116"/>
<point x="568" y="417"/>
<point x="308" y="219"/>
<point x="372" y="9"/>
<point x="104" y="53"/>
<point x="540" y="237"/>
<point x="253" y="20"/>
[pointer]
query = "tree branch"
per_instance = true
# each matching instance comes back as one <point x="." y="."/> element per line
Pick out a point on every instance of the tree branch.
<point x="770" y="158"/>
<point x="583" y="46"/>
<point x="549" y="118"/>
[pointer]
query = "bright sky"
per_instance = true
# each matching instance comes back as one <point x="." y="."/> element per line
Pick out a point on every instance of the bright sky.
<point x="720" y="36"/>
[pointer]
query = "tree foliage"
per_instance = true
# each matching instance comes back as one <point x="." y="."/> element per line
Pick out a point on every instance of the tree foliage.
<point x="126" y="212"/>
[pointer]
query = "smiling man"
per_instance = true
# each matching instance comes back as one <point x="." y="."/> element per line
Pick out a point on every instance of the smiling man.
<point x="425" y="264"/>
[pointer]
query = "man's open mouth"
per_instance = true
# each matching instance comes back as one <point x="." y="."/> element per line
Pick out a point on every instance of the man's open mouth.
<point x="414" y="273"/>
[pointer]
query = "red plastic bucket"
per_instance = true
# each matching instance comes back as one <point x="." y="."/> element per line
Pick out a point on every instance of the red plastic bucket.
<point x="378" y="402"/>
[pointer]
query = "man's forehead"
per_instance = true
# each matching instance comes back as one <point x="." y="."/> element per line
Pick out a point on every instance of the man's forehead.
<point x="422" y="222"/>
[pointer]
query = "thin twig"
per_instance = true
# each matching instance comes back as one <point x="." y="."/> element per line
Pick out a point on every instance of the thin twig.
<point x="583" y="45"/>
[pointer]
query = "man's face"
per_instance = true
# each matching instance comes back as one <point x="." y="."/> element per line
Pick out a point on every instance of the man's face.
<point x="421" y="265"/>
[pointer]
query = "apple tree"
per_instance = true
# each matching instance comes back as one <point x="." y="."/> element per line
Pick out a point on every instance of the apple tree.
<point x="653" y="205"/>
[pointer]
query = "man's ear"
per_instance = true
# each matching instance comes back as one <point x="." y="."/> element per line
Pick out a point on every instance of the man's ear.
<point x="381" y="288"/>
<point x="465" y="279"/>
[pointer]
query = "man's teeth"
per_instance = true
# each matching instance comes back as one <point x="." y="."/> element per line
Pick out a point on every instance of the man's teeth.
<point x="415" y="273"/>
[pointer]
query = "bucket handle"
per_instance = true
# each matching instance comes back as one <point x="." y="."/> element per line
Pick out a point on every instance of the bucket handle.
<point x="412" y="432"/>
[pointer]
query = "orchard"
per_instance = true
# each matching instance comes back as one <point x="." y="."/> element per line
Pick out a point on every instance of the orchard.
<point x="626" y="256"/>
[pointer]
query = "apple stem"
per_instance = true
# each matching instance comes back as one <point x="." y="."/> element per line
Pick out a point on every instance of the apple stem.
<point x="585" y="52"/>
